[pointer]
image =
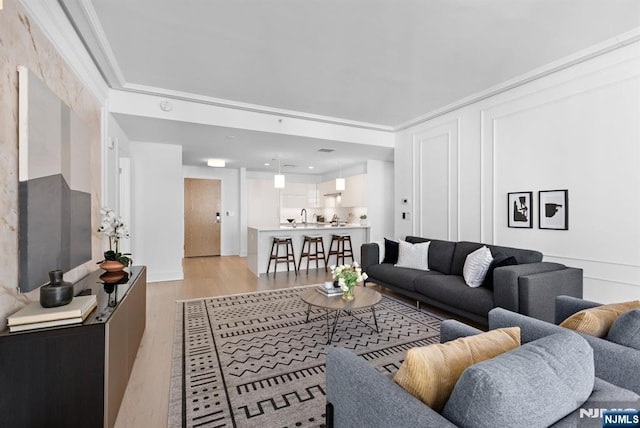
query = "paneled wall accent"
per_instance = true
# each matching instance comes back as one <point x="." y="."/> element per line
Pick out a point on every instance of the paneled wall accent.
<point x="581" y="135"/>
<point x="574" y="129"/>
<point x="436" y="193"/>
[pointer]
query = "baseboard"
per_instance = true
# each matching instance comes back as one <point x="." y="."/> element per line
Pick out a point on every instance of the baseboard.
<point x="164" y="276"/>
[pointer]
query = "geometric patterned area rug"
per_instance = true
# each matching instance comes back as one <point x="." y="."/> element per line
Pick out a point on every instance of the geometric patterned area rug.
<point x="251" y="360"/>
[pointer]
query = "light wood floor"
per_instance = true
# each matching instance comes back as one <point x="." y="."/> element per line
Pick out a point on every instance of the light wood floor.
<point x="146" y="399"/>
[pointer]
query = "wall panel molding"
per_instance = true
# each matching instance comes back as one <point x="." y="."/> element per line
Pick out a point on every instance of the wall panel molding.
<point x="617" y="73"/>
<point x="425" y="143"/>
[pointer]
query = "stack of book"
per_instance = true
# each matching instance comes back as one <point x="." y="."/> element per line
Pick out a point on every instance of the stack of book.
<point x="34" y="316"/>
<point x="336" y="291"/>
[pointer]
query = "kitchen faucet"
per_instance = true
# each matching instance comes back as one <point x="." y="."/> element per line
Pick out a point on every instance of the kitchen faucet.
<point x="304" y="211"/>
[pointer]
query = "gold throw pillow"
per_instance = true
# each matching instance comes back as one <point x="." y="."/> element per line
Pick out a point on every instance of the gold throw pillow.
<point x="597" y="321"/>
<point x="429" y="373"/>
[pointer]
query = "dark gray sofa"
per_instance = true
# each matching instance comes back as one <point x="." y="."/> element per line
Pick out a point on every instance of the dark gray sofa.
<point x="358" y="395"/>
<point x="529" y="288"/>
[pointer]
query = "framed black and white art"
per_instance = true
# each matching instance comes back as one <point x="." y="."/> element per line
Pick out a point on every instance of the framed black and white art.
<point x="520" y="209"/>
<point x="554" y="209"/>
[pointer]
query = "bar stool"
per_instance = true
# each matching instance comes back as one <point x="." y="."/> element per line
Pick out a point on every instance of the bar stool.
<point x="341" y="250"/>
<point x="287" y="257"/>
<point x="317" y="254"/>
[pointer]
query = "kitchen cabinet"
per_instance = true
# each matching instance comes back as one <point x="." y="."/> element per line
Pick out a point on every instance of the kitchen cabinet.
<point x="313" y="201"/>
<point x="354" y="194"/>
<point x="324" y="188"/>
<point x="294" y="195"/>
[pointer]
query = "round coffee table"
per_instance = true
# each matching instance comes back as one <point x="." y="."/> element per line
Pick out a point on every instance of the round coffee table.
<point x="363" y="298"/>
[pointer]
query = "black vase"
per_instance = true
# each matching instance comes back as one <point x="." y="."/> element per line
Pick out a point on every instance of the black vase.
<point x="57" y="292"/>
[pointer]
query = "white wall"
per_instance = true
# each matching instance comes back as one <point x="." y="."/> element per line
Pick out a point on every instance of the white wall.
<point x="117" y="177"/>
<point x="574" y="129"/>
<point x="380" y="197"/>
<point x="229" y="204"/>
<point x="158" y="209"/>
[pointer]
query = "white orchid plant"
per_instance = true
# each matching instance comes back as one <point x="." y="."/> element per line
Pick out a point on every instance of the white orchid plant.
<point x="114" y="228"/>
<point x="348" y="275"/>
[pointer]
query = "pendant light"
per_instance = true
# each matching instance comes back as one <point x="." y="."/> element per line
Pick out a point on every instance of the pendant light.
<point x="278" y="179"/>
<point x="340" y="183"/>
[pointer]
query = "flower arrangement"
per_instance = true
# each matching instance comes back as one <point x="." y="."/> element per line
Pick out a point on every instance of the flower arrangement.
<point x="113" y="227"/>
<point x="348" y="276"/>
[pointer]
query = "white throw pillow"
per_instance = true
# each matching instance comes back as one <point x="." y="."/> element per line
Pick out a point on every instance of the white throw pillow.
<point x="415" y="256"/>
<point x="380" y="250"/>
<point x="476" y="266"/>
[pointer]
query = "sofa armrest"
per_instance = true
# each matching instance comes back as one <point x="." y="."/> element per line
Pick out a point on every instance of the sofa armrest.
<point x="614" y="363"/>
<point x="452" y="329"/>
<point x="568" y="305"/>
<point x="538" y="291"/>
<point x="507" y="286"/>
<point x="617" y="364"/>
<point x="369" y="255"/>
<point x="361" y="396"/>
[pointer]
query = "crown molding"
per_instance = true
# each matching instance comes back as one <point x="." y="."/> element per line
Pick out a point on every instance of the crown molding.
<point x="114" y="71"/>
<point x="538" y="73"/>
<point x="52" y="21"/>
<point x="255" y="108"/>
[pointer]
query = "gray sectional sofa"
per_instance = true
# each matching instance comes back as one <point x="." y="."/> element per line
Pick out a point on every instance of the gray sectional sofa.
<point x="529" y="288"/>
<point x="531" y="389"/>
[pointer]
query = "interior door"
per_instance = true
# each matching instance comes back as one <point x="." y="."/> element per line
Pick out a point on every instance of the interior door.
<point x="202" y="217"/>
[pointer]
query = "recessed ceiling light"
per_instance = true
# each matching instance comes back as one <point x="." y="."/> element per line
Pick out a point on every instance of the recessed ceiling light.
<point x="216" y="163"/>
<point x="267" y="164"/>
<point x="311" y="167"/>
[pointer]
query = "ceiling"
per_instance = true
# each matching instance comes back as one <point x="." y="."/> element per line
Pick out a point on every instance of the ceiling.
<point x="382" y="62"/>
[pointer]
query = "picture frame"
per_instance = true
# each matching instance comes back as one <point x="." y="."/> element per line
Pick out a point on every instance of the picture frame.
<point x="54" y="184"/>
<point x="553" y="209"/>
<point x="520" y="210"/>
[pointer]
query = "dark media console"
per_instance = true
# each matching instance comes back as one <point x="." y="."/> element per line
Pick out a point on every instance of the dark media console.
<point x="76" y="375"/>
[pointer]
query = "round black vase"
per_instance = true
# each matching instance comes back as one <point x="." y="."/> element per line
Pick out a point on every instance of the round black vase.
<point x="57" y="292"/>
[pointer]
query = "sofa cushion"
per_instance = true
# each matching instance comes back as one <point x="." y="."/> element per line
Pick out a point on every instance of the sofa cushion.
<point x="453" y="291"/>
<point x="536" y="384"/>
<point x="440" y="253"/>
<point x="597" y="321"/>
<point x="414" y="256"/>
<point x="390" y="252"/>
<point x="499" y="260"/>
<point x="476" y="266"/>
<point x="429" y="373"/>
<point x="464" y="248"/>
<point x="400" y="277"/>
<point x="625" y="330"/>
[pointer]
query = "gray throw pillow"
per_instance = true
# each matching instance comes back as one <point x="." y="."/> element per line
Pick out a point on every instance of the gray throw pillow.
<point x="625" y="330"/>
<point x="534" y="385"/>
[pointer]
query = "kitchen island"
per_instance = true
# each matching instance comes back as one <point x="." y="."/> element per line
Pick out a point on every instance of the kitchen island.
<point x="259" y="241"/>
